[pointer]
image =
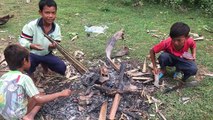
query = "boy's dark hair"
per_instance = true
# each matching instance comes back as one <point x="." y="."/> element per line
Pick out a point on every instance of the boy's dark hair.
<point x="179" y="29"/>
<point x="48" y="3"/>
<point x="14" y="55"/>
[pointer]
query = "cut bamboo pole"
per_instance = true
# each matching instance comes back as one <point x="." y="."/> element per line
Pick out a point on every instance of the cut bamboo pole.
<point x="141" y="78"/>
<point x="144" y="66"/>
<point x="115" y="105"/>
<point x="77" y="65"/>
<point x="103" y="111"/>
<point x="156" y="82"/>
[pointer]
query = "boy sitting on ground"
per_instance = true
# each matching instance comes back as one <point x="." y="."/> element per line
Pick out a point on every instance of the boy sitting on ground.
<point x="40" y="47"/>
<point x="19" y="97"/>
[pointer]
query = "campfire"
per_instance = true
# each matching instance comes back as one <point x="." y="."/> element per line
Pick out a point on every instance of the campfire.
<point x="106" y="90"/>
<point x="102" y="95"/>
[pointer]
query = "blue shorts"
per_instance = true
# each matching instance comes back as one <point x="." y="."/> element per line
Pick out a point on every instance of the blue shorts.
<point x="54" y="63"/>
<point x="188" y="67"/>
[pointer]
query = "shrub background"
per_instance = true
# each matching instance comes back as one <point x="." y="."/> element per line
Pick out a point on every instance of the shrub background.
<point x="206" y="6"/>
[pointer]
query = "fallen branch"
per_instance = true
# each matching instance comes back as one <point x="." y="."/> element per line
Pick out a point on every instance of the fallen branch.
<point x="135" y="116"/>
<point x="208" y="74"/>
<point x="141" y="78"/>
<point x="158" y="112"/>
<point x="144" y="66"/>
<point x="103" y="111"/>
<point x="115" y="105"/>
<point x="2" y="61"/>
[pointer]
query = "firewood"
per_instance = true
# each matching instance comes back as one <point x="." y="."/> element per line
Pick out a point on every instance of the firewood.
<point x="74" y="38"/>
<point x="135" y="74"/>
<point x="77" y="65"/>
<point x="132" y="71"/>
<point x="4" y="71"/>
<point x="114" y="107"/>
<point x="199" y="38"/>
<point x="103" y="111"/>
<point x="144" y="66"/>
<point x="158" y="112"/>
<point x="103" y="71"/>
<point x="141" y="78"/>
<point x="109" y="91"/>
<point x="147" y="81"/>
<point x="73" y="77"/>
<point x="110" y="45"/>
<point x="115" y="66"/>
<point x="209" y="74"/>
<point x="2" y="61"/>
<point x="87" y="97"/>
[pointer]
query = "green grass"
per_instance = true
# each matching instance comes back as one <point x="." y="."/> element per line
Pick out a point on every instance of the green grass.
<point x="73" y="15"/>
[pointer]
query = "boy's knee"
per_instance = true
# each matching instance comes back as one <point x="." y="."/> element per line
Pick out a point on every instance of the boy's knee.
<point x="61" y="69"/>
<point x="192" y="70"/>
<point x="163" y="56"/>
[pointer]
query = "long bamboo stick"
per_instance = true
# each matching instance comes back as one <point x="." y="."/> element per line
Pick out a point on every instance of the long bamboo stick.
<point x="77" y="65"/>
<point x="115" y="105"/>
<point x="103" y="111"/>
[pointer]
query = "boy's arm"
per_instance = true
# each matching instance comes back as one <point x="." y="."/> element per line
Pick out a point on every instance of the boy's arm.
<point x="26" y="37"/>
<point x="33" y="92"/>
<point x="193" y="51"/>
<point x="50" y="97"/>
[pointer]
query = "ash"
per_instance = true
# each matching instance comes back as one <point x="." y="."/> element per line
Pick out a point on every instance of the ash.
<point x="98" y="86"/>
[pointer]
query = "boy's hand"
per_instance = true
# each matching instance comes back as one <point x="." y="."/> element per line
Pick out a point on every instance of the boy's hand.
<point x="52" y="46"/>
<point x="65" y="93"/>
<point x="155" y="70"/>
<point x="36" y="46"/>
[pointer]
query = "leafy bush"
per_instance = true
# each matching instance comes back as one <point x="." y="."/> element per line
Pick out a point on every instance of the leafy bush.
<point x="204" y="5"/>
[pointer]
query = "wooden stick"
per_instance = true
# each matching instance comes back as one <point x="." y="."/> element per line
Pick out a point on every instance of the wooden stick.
<point x="158" y="112"/>
<point x="144" y="66"/>
<point x="103" y="111"/>
<point x="77" y="65"/>
<point x="2" y="61"/>
<point x="115" y="105"/>
<point x="141" y="78"/>
<point x="209" y="74"/>
<point x="116" y="67"/>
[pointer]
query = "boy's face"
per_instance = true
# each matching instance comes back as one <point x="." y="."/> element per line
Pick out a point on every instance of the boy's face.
<point x="48" y="14"/>
<point x="178" y="42"/>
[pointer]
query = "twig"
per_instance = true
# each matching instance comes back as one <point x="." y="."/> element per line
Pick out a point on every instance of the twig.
<point x="158" y="112"/>
<point x="2" y="61"/>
